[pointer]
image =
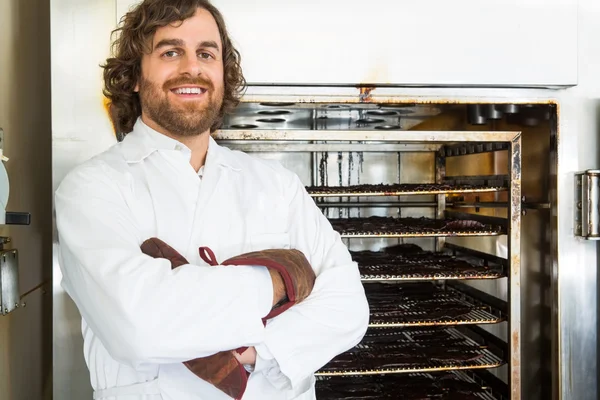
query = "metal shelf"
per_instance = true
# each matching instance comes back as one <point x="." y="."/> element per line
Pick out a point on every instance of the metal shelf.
<point x="390" y="227"/>
<point x="410" y="263"/>
<point x="455" y="385"/>
<point x="424" y="304"/>
<point x="402" y="189"/>
<point x="405" y="350"/>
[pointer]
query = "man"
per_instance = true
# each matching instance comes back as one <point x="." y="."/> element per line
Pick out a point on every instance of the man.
<point x="174" y="75"/>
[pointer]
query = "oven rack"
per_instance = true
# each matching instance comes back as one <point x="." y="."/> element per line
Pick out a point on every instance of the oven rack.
<point x="443" y="144"/>
<point x="404" y="350"/>
<point x="391" y="227"/>
<point x="404" y="189"/>
<point x="424" y="304"/>
<point x="408" y="262"/>
<point x="439" y="386"/>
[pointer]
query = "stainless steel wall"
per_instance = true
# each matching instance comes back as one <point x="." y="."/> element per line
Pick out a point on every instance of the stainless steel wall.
<point x="404" y="42"/>
<point x="26" y="333"/>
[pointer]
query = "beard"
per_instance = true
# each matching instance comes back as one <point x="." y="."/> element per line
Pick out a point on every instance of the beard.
<point x="187" y="119"/>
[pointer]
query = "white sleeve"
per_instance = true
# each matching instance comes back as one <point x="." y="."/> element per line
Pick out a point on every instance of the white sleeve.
<point x="140" y="309"/>
<point x="333" y="319"/>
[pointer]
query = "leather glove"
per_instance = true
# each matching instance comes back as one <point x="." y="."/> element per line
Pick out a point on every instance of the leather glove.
<point x="295" y="270"/>
<point x="222" y="369"/>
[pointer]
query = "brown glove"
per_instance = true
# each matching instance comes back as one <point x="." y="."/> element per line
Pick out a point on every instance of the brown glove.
<point x="293" y="267"/>
<point x="223" y="370"/>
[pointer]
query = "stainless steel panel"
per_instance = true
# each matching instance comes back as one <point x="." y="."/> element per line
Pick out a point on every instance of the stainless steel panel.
<point x="514" y="256"/>
<point x="367" y="135"/>
<point x="346" y="43"/>
<point x="328" y="116"/>
<point x="29" y="360"/>
<point x="9" y="281"/>
<point x="327" y="147"/>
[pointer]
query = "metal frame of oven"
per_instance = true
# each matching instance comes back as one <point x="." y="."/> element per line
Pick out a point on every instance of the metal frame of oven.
<point x="464" y="142"/>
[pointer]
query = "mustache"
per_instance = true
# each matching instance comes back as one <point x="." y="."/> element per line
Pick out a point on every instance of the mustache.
<point x="183" y="80"/>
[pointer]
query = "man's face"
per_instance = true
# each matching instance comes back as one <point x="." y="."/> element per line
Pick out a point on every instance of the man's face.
<point x="181" y="85"/>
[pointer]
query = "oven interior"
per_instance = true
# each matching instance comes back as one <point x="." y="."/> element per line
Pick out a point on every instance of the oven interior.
<point x="447" y="208"/>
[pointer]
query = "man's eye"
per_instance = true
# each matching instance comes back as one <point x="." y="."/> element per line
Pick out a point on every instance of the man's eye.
<point x="206" y="55"/>
<point x="170" y="54"/>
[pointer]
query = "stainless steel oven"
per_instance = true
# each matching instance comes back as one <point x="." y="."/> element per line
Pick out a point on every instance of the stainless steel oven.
<point x="436" y="202"/>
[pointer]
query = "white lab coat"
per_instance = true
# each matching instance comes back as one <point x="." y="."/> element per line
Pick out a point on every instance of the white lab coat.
<point x="140" y="319"/>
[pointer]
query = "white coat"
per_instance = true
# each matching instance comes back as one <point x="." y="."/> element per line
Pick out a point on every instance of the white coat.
<point x="141" y="320"/>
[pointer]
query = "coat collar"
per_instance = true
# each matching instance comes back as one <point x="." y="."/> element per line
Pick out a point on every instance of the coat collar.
<point x="143" y="141"/>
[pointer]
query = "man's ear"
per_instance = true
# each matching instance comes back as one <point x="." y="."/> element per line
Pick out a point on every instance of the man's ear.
<point x="137" y="87"/>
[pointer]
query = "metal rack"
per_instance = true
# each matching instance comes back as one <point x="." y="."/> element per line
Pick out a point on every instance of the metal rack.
<point x="411" y="227"/>
<point x="401" y="189"/>
<point x="424" y="304"/>
<point x="397" y="351"/>
<point x="392" y="348"/>
<point x="442" y="386"/>
<point x="453" y="262"/>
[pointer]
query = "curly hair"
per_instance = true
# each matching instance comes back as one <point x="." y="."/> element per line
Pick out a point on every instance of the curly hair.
<point x="122" y="71"/>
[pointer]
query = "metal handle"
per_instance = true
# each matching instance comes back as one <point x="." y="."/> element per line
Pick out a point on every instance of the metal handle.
<point x="18" y="218"/>
<point x="587" y="205"/>
<point x="9" y="280"/>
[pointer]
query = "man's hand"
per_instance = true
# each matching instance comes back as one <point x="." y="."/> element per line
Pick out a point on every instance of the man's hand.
<point x="248" y="357"/>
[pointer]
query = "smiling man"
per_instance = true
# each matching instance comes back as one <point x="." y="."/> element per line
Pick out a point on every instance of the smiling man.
<point x="200" y="273"/>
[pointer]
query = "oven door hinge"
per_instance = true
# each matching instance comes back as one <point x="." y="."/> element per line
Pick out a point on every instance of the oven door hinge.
<point x="587" y="204"/>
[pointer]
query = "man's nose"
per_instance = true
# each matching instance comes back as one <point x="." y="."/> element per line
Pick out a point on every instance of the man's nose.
<point x="190" y="64"/>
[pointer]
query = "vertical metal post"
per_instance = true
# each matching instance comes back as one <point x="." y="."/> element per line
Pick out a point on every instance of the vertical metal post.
<point x="399" y="198"/>
<point x="514" y="276"/>
<point x="314" y="167"/>
<point x="556" y="355"/>
<point x="440" y="174"/>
